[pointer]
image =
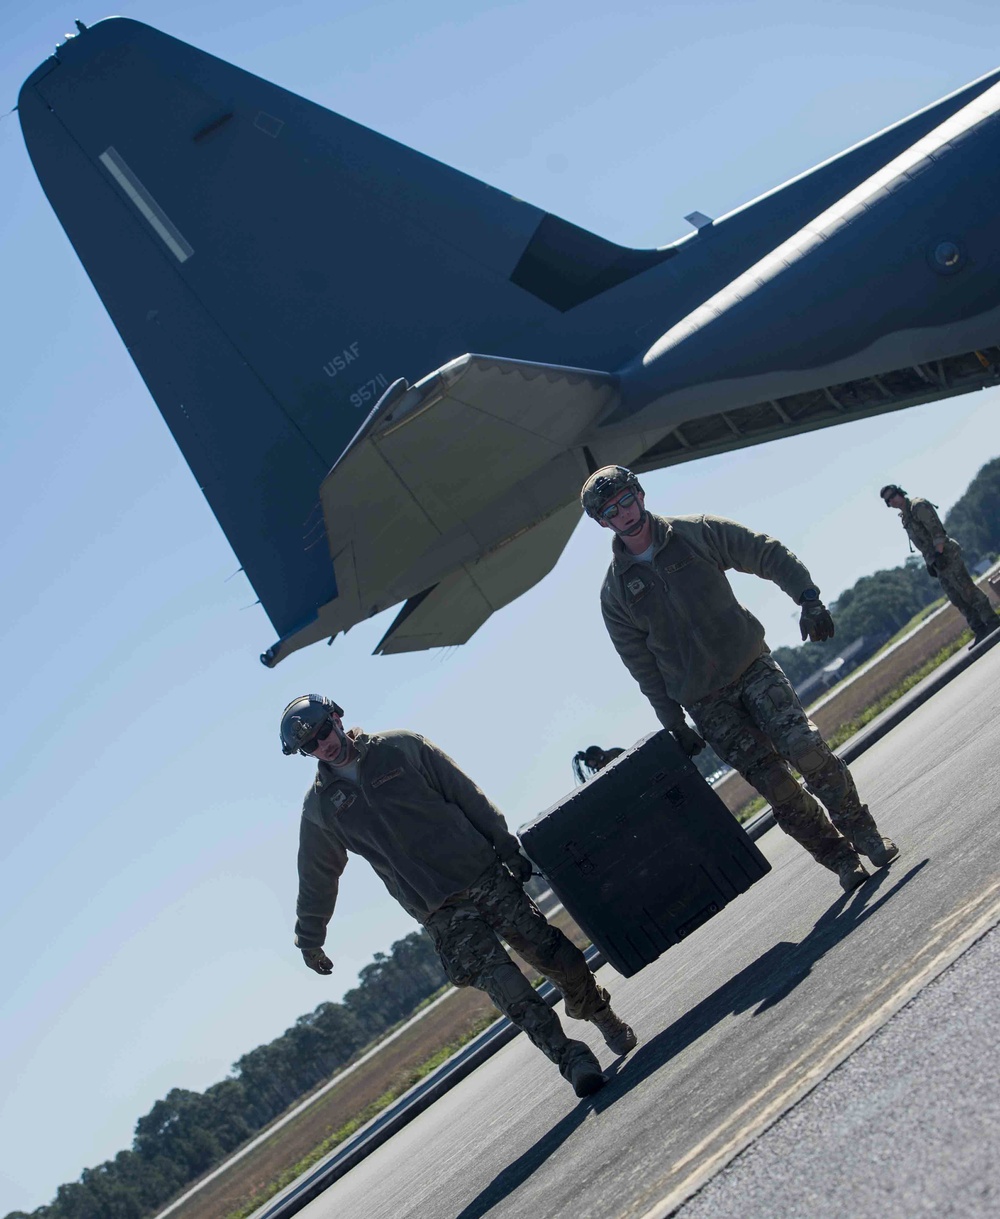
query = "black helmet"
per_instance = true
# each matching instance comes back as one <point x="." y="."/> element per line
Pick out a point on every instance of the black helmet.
<point x="888" y="491"/>
<point x="604" y="484"/>
<point x="303" y="718"/>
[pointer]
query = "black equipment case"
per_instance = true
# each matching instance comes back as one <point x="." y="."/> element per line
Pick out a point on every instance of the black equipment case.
<point x="643" y="853"/>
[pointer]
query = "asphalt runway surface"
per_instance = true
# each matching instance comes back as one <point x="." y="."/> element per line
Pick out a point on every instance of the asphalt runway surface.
<point x="752" y="1014"/>
<point x="908" y="1126"/>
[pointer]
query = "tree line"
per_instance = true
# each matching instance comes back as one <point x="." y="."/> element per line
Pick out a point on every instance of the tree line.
<point x="187" y="1133"/>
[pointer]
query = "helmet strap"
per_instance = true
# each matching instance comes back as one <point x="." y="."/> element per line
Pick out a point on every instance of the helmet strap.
<point x="638" y="527"/>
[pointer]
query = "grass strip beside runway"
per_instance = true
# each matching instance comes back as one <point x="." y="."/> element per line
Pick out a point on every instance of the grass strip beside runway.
<point x="401" y="1085"/>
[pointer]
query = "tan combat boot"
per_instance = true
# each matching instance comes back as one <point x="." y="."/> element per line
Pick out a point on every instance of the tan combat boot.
<point x="851" y="871"/>
<point x="581" y="1069"/>
<point x="879" y="850"/>
<point x="618" y="1036"/>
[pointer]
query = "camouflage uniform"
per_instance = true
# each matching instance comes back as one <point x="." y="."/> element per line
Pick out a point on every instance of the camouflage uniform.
<point x="440" y="846"/>
<point x="924" y="529"/>
<point x="758" y="726"/>
<point x="689" y="643"/>
<point x="465" y="931"/>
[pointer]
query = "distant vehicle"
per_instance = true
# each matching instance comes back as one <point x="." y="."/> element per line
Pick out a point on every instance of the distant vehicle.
<point x="301" y="295"/>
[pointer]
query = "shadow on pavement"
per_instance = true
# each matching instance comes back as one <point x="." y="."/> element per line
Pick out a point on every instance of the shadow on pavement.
<point x="793" y="962"/>
<point x="768" y="980"/>
<point x="515" y="1174"/>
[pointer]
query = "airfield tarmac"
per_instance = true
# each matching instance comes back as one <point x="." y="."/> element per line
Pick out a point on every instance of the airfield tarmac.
<point x="752" y="1013"/>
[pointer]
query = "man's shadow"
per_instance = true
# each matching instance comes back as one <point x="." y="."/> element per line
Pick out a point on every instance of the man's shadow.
<point x="764" y="983"/>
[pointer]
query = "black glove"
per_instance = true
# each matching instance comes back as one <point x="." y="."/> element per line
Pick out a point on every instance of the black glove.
<point x="689" y="741"/>
<point x="932" y="567"/>
<point x="519" y="866"/>
<point x="815" y="622"/>
<point x="317" y="959"/>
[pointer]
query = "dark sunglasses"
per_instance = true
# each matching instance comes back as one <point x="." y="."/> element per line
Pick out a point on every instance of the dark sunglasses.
<point x="612" y="510"/>
<point x="311" y="745"/>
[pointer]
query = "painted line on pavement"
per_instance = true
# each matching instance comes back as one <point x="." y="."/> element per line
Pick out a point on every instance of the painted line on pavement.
<point x="828" y="1060"/>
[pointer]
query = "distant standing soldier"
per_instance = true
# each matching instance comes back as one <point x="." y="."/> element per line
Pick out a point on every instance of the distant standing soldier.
<point x="943" y="557"/>
<point x="445" y="854"/>
<point x="672" y="615"/>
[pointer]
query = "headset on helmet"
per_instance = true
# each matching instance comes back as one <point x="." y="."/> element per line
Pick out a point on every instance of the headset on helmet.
<point x="605" y="484"/>
<point x="303" y="718"/>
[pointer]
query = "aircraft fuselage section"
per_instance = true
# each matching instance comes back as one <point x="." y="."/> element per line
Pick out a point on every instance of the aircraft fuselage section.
<point x="901" y="271"/>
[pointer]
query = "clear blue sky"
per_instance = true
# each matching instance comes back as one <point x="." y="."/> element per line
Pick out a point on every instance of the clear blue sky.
<point x="149" y="819"/>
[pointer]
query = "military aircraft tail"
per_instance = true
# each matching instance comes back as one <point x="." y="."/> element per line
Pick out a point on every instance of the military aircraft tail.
<point x="272" y="267"/>
<point x="285" y="279"/>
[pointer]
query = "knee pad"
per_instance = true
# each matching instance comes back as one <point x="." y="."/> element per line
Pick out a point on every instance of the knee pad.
<point x="511" y="985"/>
<point x="775" y="783"/>
<point x="810" y="760"/>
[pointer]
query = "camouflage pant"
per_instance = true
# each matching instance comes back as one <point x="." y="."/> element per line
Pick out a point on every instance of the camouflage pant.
<point x="758" y="726"/>
<point x="960" y="588"/>
<point x="465" y="932"/>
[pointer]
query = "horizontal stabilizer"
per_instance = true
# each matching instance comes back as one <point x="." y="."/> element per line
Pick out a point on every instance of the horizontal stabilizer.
<point x="452" y="611"/>
<point x="449" y="471"/>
